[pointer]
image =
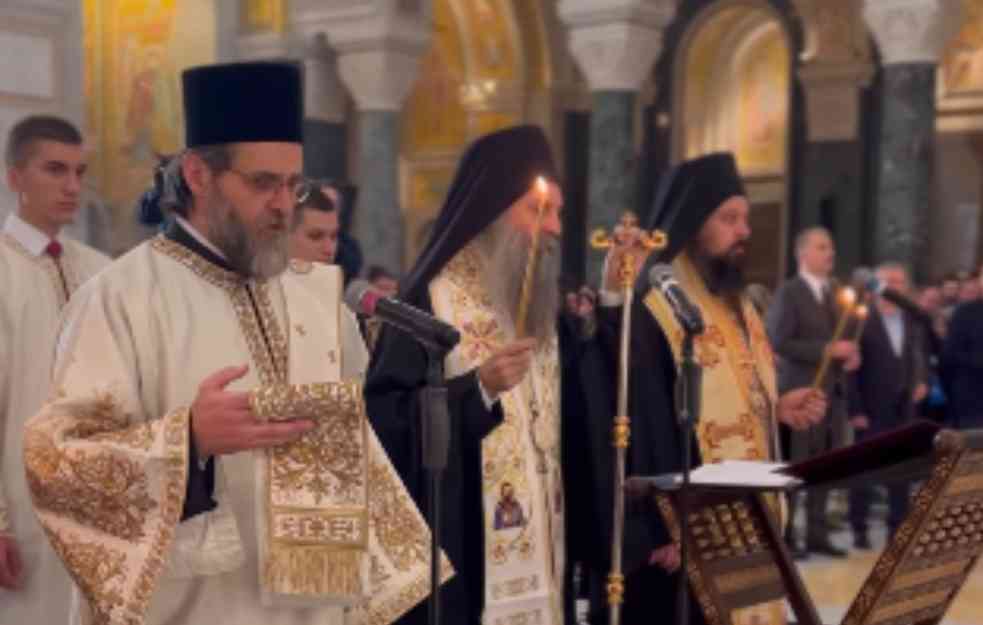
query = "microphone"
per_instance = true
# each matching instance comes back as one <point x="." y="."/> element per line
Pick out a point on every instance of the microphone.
<point x="362" y="298"/>
<point x="869" y="282"/>
<point x="688" y="315"/>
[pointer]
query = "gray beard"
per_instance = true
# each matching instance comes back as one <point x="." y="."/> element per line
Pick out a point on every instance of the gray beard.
<point x="507" y="251"/>
<point x="248" y="255"/>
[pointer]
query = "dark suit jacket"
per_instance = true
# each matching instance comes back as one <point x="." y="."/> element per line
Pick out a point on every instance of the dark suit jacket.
<point x="885" y="381"/>
<point x="962" y="366"/>
<point x="799" y="328"/>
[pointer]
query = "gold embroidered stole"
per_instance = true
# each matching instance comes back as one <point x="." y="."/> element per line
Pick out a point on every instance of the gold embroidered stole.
<point x="341" y="526"/>
<point x="521" y="478"/>
<point x="315" y="491"/>
<point x="739" y="392"/>
<point x="336" y="524"/>
<point x="738" y="395"/>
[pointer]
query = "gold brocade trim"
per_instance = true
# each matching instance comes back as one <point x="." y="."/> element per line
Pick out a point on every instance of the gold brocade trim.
<point x="316" y="571"/>
<point x="283" y="402"/>
<point x="202" y="268"/>
<point x="329" y="462"/>
<point x="97" y="566"/>
<point x="724" y="349"/>
<point x="522" y="452"/>
<point x="176" y="431"/>
<point x="403" y="536"/>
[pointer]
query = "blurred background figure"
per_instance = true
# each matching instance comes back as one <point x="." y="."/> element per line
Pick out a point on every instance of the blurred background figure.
<point x="314" y="235"/>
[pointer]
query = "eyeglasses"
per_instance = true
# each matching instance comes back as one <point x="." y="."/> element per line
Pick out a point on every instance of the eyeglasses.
<point x="266" y="182"/>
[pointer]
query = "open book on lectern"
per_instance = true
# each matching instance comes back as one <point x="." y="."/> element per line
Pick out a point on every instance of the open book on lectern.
<point x="901" y="454"/>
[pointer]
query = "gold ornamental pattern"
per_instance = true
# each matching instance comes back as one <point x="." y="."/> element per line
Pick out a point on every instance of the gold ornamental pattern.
<point x="328" y="462"/>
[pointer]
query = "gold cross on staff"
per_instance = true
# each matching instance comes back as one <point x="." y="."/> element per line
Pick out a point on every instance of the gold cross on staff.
<point x="655" y="241"/>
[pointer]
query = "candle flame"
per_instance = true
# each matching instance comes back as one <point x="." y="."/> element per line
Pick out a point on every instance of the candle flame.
<point x="848" y="296"/>
<point x="541" y="185"/>
<point x="862" y="311"/>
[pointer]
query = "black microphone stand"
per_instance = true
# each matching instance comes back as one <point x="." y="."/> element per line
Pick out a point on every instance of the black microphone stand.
<point x="688" y="405"/>
<point x="436" y="440"/>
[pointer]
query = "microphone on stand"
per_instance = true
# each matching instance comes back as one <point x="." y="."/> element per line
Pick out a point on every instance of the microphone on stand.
<point x="362" y="298"/>
<point x="661" y="277"/>
<point x="438" y="338"/>
<point x="687" y="400"/>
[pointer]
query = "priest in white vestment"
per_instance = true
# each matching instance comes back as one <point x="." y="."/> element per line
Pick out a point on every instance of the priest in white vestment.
<point x="39" y="270"/>
<point x="206" y="458"/>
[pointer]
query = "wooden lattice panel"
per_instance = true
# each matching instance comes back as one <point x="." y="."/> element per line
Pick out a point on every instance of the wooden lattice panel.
<point x="934" y="550"/>
<point x="732" y="562"/>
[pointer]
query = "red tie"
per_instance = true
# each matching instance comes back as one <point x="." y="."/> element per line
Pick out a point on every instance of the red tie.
<point x="54" y="249"/>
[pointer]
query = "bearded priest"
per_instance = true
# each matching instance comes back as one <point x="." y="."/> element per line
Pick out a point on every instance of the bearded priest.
<point x="206" y="457"/>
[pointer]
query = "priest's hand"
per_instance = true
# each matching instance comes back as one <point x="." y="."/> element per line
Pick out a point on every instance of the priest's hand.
<point x="802" y="408"/>
<point x="505" y="368"/>
<point x="843" y="350"/>
<point x="666" y="557"/>
<point x="223" y="422"/>
<point x="11" y="567"/>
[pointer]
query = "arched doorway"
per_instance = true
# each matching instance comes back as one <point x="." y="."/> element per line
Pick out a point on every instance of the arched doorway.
<point x="732" y="92"/>
<point x="488" y="67"/>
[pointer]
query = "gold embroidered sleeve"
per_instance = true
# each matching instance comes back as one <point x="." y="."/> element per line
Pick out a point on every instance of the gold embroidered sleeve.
<point x="284" y="402"/>
<point x="106" y="479"/>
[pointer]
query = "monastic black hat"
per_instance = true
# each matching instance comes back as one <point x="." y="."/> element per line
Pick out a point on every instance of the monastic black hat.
<point x="495" y="171"/>
<point x="243" y="102"/>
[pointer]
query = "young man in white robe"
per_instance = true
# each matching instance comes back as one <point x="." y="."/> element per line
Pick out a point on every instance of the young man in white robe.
<point x="206" y="458"/>
<point x="39" y="270"/>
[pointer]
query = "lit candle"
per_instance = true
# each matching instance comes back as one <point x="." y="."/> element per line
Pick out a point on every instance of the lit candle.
<point x="861" y="313"/>
<point x="542" y="189"/>
<point x="847" y="298"/>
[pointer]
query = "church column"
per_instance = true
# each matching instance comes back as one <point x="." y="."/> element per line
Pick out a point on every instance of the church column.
<point x="379" y="44"/>
<point x="615" y="43"/>
<point x="835" y="68"/>
<point x="325" y="114"/>
<point x="911" y="35"/>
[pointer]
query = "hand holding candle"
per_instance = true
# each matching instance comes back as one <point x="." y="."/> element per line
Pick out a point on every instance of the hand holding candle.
<point x="542" y="189"/>
<point x="847" y="298"/>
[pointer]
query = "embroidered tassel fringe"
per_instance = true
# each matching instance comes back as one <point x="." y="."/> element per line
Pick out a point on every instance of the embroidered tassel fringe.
<point x="315" y="571"/>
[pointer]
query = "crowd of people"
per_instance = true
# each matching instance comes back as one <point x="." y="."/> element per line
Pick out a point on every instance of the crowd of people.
<point x="199" y="431"/>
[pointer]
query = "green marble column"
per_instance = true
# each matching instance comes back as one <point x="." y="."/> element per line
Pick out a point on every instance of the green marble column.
<point x="907" y="138"/>
<point x="611" y="188"/>
<point x="325" y="149"/>
<point x="831" y="195"/>
<point x="378" y="221"/>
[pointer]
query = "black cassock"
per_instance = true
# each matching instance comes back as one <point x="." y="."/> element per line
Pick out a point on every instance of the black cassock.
<point x="393" y="399"/>
<point x="655" y="448"/>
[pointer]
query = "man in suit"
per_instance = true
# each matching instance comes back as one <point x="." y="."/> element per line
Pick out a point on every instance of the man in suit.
<point x="889" y="383"/>
<point x="962" y="365"/>
<point x="801" y="322"/>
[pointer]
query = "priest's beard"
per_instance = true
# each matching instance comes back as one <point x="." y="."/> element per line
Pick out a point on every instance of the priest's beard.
<point x="723" y="274"/>
<point x="260" y="253"/>
<point x="507" y="251"/>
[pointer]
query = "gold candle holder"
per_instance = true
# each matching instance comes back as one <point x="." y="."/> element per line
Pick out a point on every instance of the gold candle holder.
<point x="520" y="317"/>
<point x="847" y="297"/>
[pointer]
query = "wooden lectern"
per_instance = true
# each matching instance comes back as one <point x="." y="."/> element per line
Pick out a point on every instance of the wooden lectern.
<point x="738" y="558"/>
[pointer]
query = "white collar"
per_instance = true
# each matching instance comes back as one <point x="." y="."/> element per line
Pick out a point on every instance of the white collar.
<point x="816" y="284"/>
<point x="199" y="237"/>
<point x="32" y="239"/>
